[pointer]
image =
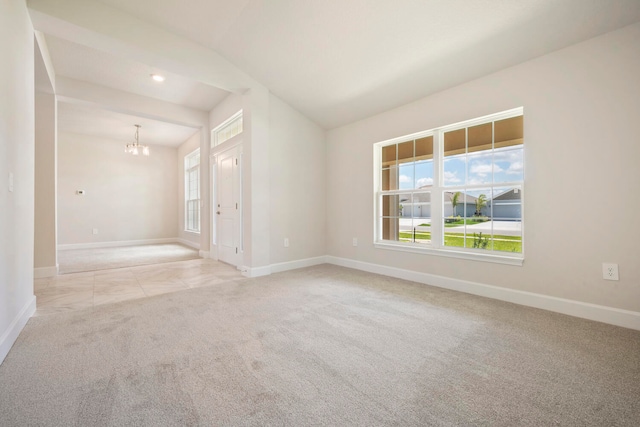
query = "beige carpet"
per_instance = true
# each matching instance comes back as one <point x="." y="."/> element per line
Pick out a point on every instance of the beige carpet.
<point x="79" y="260"/>
<point x="320" y="346"/>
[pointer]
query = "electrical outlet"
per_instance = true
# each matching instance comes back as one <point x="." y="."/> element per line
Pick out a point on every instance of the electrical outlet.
<point x="95" y="231"/>
<point x="286" y="242"/>
<point x="355" y="241"/>
<point x="610" y="271"/>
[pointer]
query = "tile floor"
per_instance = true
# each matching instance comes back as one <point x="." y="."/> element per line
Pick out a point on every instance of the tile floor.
<point x="83" y="290"/>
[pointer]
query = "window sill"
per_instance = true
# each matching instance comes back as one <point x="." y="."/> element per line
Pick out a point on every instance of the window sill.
<point x="449" y="253"/>
<point x="192" y="232"/>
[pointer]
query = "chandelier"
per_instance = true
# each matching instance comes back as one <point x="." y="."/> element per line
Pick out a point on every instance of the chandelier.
<point x="134" y="147"/>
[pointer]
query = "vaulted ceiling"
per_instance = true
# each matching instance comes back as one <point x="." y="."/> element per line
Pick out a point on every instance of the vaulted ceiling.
<point x="336" y="61"/>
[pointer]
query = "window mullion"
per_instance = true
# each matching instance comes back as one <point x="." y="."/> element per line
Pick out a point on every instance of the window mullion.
<point x="437" y="196"/>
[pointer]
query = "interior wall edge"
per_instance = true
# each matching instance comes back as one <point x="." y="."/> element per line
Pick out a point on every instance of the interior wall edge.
<point x="611" y="315"/>
<point x="42" y="272"/>
<point x="11" y="334"/>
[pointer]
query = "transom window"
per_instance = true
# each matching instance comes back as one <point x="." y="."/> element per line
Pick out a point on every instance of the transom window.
<point x="455" y="190"/>
<point x="227" y="130"/>
<point x="192" y="191"/>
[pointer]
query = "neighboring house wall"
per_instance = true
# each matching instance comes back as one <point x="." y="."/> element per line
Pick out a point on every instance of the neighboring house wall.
<point x="126" y="197"/>
<point x="460" y="209"/>
<point x="187" y="147"/>
<point x="507" y="206"/>
<point x="296" y="184"/>
<point x="573" y="99"/>
<point x="506" y="210"/>
<point x="17" y="301"/>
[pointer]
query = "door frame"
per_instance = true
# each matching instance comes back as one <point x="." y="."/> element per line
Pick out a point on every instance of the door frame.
<point x="234" y="143"/>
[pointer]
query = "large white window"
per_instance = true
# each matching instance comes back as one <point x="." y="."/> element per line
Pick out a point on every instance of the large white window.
<point x="227" y="130"/>
<point x="456" y="190"/>
<point x="192" y="191"/>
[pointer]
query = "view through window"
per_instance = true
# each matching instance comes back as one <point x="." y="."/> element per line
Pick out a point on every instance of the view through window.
<point x="457" y="187"/>
<point x="192" y="191"/>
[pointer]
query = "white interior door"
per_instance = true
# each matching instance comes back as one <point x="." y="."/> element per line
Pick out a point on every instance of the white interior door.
<point x="228" y="217"/>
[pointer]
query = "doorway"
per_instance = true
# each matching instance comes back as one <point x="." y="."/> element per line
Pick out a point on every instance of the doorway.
<point x="227" y="218"/>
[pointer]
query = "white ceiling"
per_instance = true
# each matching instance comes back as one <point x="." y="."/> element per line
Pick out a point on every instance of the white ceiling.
<point x="341" y="61"/>
<point x="91" y="65"/>
<point x="81" y="119"/>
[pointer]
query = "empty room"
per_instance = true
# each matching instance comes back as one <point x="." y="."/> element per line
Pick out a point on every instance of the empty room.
<point x="302" y="212"/>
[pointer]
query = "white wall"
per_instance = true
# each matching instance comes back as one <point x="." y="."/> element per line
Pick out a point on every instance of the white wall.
<point x="296" y="184"/>
<point x="126" y="197"/>
<point x="581" y="107"/>
<point x="187" y="147"/>
<point x="45" y="259"/>
<point x="45" y="236"/>
<point x="283" y="180"/>
<point x="227" y="108"/>
<point x="17" y="301"/>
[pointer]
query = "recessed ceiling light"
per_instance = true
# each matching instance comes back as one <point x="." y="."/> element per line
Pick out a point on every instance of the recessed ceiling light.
<point x="157" y="77"/>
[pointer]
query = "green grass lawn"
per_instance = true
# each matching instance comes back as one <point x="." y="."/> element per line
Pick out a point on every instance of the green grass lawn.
<point x="500" y="243"/>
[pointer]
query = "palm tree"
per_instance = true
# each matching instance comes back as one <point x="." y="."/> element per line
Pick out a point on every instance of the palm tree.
<point x="481" y="202"/>
<point x="454" y="202"/>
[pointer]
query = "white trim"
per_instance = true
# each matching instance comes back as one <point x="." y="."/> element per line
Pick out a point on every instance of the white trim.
<point x="42" y="272"/>
<point x="189" y="243"/>
<point x="437" y="191"/>
<point x="255" y="271"/>
<point x="299" y="263"/>
<point x="214" y="132"/>
<point x="11" y="334"/>
<point x="115" y="244"/>
<point x="282" y="266"/>
<point x="599" y="313"/>
<point x="453" y="253"/>
<point x="187" y="190"/>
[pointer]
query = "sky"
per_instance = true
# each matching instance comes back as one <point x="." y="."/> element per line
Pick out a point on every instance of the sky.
<point x="484" y="167"/>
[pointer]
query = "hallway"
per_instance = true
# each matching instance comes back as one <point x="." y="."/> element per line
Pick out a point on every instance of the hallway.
<point x="77" y="291"/>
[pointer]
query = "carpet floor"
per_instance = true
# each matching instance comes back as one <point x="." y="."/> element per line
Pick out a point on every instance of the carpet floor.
<point x="80" y="260"/>
<point x="323" y="345"/>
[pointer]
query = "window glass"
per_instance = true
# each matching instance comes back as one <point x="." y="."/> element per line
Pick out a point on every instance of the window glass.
<point x="480" y="186"/>
<point x="192" y="191"/>
<point x="227" y="130"/>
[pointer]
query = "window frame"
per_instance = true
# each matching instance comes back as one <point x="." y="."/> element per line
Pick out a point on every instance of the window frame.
<point x="188" y="170"/>
<point x="437" y="190"/>
<point x="215" y="132"/>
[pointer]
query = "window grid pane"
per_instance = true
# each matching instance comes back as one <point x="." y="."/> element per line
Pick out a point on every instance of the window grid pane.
<point x="228" y="131"/>
<point x="192" y="192"/>
<point x="481" y="182"/>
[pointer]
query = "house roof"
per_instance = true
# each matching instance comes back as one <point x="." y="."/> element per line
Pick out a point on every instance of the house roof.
<point x="512" y="194"/>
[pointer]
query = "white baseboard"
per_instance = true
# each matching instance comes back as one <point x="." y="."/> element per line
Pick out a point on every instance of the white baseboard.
<point x="255" y="271"/>
<point x="203" y="254"/>
<point x="299" y="263"/>
<point x="11" y="334"/>
<point x="613" y="316"/>
<point x="188" y="243"/>
<point x="116" y="244"/>
<point x="282" y="266"/>
<point x="42" y="272"/>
